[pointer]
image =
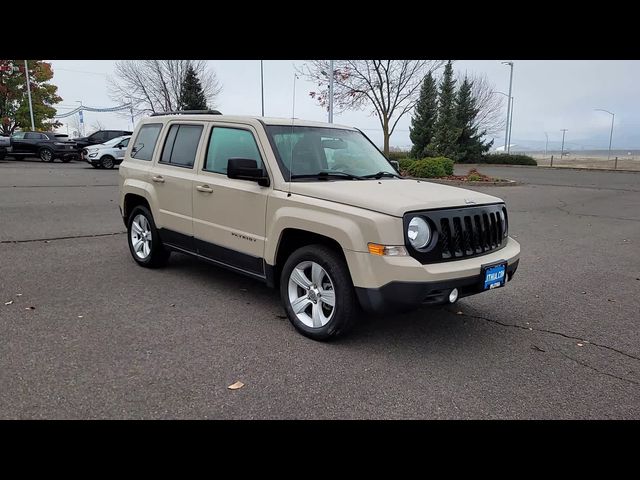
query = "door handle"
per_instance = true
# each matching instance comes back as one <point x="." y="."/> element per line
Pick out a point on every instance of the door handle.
<point x="158" y="179"/>
<point x="204" y="188"/>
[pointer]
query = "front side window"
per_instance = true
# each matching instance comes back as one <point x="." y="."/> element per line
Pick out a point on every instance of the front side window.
<point x="33" y="136"/>
<point x="124" y="142"/>
<point x="145" y="142"/>
<point x="18" y="135"/>
<point x="309" y="151"/>
<point x="98" y="137"/>
<point x="181" y="145"/>
<point x="226" y="143"/>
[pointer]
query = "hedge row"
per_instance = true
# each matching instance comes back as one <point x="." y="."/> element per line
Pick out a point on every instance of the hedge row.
<point x="430" y="167"/>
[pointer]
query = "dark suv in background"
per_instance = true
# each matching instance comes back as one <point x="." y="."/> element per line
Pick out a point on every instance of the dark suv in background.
<point x="46" y="145"/>
<point x="100" y="136"/>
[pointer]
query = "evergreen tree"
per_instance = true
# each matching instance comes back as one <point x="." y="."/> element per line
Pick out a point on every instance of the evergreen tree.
<point x="469" y="145"/>
<point x="446" y="133"/>
<point x="424" y="118"/>
<point x="191" y="95"/>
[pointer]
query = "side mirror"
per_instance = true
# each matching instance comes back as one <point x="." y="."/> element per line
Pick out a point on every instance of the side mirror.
<point x="119" y="146"/>
<point x="396" y="164"/>
<point x="246" y="169"/>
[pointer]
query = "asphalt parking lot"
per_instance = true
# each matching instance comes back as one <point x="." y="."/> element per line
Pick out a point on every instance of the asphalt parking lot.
<point x="108" y="339"/>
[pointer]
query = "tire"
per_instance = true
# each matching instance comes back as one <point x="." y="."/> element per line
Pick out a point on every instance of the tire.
<point x="107" y="162"/>
<point x="154" y="255"/>
<point x="46" y="155"/>
<point x="316" y="318"/>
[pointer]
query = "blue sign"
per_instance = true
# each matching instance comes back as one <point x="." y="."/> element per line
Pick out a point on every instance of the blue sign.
<point x="80" y="115"/>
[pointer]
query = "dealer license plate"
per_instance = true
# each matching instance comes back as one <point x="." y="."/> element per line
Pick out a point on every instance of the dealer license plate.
<point x="494" y="276"/>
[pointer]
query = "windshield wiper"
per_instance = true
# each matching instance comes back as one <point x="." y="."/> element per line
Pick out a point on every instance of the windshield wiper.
<point x="381" y="174"/>
<point x="327" y="175"/>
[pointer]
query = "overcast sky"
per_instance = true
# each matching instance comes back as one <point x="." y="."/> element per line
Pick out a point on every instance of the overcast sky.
<point x="549" y="96"/>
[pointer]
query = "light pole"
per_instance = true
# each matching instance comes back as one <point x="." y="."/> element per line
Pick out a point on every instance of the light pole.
<point x="81" y="118"/>
<point x="506" y="133"/>
<point x="262" y="85"/>
<point x="546" y="145"/>
<point x="331" y="91"/>
<point x="564" y="130"/>
<point x="613" y="116"/>
<point x="26" y="74"/>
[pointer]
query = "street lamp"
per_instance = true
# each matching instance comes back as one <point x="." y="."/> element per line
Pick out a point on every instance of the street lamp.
<point x="81" y="118"/>
<point x="546" y="145"/>
<point x="506" y="134"/>
<point x="26" y="74"/>
<point x="564" y="130"/>
<point x="262" y="85"/>
<point x="613" y="116"/>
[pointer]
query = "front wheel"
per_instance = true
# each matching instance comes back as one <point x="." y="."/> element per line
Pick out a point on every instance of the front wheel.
<point x="107" y="162"/>
<point x="144" y="241"/>
<point x="46" y="155"/>
<point x="317" y="293"/>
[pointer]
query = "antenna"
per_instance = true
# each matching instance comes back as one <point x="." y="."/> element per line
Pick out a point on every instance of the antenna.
<point x="293" y="116"/>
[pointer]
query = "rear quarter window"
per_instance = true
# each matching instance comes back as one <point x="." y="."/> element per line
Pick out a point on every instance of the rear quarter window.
<point x="145" y="143"/>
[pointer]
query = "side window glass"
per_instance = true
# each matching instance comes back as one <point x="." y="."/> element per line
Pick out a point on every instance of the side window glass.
<point x="226" y="143"/>
<point x="124" y="142"/>
<point x="181" y="145"/>
<point x="146" y="141"/>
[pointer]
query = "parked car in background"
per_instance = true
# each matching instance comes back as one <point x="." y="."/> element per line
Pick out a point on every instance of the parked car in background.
<point x="100" y="137"/>
<point x="45" y="145"/>
<point x="108" y="154"/>
<point x="5" y="143"/>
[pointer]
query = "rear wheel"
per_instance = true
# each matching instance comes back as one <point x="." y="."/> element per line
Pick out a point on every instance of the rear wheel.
<point x="107" y="162"/>
<point x="46" y="154"/>
<point x="144" y="241"/>
<point x="317" y="293"/>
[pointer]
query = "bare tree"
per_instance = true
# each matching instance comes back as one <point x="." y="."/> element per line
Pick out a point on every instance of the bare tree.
<point x="97" y="125"/>
<point x="390" y="87"/>
<point x="156" y="85"/>
<point x="74" y="123"/>
<point x="490" y="105"/>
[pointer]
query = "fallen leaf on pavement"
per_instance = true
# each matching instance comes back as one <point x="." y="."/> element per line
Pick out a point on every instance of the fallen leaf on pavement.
<point x="30" y="308"/>
<point x="18" y="294"/>
<point x="172" y="305"/>
<point x="580" y="344"/>
<point x="584" y="293"/>
<point x="610" y="300"/>
<point x="80" y="316"/>
<point x="535" y="347"/>
<point x="236" y="386"/>
<point x="9" y="302"/>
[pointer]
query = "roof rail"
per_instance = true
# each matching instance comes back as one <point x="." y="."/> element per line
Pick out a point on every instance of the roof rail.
<point x="188" y="112"/>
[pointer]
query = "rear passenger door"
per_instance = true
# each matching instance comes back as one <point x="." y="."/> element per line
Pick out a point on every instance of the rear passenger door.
<point x="172" y="177"/>
<point x="229" y="214"/>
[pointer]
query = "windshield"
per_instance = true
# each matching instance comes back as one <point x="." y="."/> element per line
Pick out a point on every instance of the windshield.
<point x="113" y="142"/>
<point x="316" y="153"/>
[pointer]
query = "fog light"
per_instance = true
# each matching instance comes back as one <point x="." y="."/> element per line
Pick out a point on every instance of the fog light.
<point x="453" y="296"/>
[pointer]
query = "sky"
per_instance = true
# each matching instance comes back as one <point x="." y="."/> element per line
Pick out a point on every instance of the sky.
<point x="549" y="95"/>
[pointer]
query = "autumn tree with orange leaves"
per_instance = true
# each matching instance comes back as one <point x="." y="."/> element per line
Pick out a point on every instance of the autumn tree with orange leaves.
<point x="14" y="102"/>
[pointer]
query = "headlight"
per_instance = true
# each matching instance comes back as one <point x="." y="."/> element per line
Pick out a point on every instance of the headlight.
<point x="93" y="154"/>
<point x="418" y="232"/>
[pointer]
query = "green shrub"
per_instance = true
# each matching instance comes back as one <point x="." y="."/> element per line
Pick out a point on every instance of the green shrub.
<point x="406" y="163"/>
<point x="398" y="155"/>
<point x="474" y="177"/>
<point x="507" y="159"/>
<point x="431" y="167"/>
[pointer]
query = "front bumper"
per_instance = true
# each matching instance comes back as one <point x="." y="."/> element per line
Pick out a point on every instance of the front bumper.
<point x="399" y="295"/>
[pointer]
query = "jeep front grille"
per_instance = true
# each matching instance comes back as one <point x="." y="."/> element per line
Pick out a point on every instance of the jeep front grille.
<point x="460" y="233"/>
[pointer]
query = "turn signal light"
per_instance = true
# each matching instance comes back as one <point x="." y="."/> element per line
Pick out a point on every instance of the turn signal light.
<point x="386" y="250"/>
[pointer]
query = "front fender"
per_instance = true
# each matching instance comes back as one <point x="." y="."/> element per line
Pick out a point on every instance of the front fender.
<point x="142" y="189"/>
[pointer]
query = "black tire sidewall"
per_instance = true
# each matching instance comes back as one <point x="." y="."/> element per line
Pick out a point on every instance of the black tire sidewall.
<point x="158" y="254"/>
<point x="336" y="267"/>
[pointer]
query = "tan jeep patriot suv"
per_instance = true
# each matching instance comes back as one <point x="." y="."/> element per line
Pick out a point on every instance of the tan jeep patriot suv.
<point x="312" y="208"/>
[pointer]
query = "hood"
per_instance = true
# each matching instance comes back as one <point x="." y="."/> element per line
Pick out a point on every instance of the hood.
<point x="393" y="197"/>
